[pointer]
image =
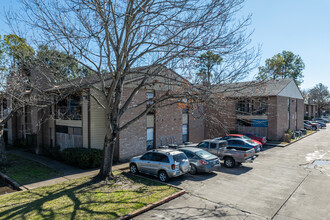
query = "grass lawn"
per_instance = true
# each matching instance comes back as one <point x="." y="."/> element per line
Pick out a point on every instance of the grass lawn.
<point x="84" y="198"/>
<point x="25" y="171"/>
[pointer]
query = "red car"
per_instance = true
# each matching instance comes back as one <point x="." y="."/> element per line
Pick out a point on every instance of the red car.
<point x="240" y="136"/>
<point x="263" y="140"/>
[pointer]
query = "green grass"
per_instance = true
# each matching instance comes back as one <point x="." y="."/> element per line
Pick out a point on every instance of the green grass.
<point x="25" y="171"/>
<point x="84" y="198"/>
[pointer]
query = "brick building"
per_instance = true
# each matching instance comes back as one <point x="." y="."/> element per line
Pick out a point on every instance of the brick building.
<point x="79" y="121"/>
<point x="268" y="109"/>
<point x="310" y="108"/>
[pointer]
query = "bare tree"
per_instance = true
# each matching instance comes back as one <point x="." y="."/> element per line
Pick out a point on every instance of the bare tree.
<point x="115" y="38"/>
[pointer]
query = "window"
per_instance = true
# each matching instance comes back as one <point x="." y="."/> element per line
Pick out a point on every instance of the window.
<point x="203" y="145"/>
<point x="150" y="96"/>
<point x="234" y="142"/>
<point x="147" y="156"/>
<point x="69" y="109"/>
<point x="190" y="155"/>
<point x="224" y="144"/>
<point x="240" y="142"/>
<point x="62" y="129"/>
<point x="179" y="157"/>
<point x="150" y="138"/>
<point x="160" y="158"/>
<point x="213" y="146"/>
<point x="150" y="131"/>
<point x="184" y="133"/>
<point x="255" y="106"/>
<point x="184" y="126"/>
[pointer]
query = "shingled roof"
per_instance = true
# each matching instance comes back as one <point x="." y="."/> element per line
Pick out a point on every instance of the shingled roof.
<point x="254" y="88"/>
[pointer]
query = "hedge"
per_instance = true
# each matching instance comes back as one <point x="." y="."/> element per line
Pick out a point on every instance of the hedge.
<point x="82" y="157"/>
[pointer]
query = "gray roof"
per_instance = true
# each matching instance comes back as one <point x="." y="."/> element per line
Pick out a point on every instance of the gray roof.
<point x="253" y="88"/>
<point x="135" y="75"/>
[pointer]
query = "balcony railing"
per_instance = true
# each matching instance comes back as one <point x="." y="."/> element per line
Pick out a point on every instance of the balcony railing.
<point x="65" y="113"/>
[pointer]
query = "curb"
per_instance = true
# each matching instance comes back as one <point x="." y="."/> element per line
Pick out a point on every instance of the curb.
<point x="155" y="204"/>
<point x="13" y="182"/>
<point x="292" y="142"/>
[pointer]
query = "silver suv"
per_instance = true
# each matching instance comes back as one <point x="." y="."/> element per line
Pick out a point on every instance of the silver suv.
<point x="163" y="163"/>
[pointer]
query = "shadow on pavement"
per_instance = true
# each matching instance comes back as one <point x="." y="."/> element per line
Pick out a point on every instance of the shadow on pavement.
<point x="236" y="170"/>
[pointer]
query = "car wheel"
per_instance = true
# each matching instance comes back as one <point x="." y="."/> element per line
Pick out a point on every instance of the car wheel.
<point x="229" y="162"/>
<point x="162" y="175"/>
<point x="134" y="169"/>
<point x="193" y="169"/>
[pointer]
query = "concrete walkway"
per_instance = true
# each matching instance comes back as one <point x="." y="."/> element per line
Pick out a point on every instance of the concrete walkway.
<point x="68" y="172"/>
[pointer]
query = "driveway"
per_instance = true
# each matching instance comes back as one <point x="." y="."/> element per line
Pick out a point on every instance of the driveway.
<point x="282" y="183"/>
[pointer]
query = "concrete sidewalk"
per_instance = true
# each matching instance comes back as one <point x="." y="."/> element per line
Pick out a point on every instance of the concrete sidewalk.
<point x="68" y="172"/>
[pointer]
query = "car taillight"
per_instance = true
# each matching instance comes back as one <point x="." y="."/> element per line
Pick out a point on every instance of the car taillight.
<point x="245" y="155"/>
<point x="173" y="166"/>
<point x="203" y="162"/>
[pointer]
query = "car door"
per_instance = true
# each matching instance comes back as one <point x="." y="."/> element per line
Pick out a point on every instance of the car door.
<point x="154" y="163"/>
<point x="213" y="148"/>
<point x="144" y="163"/>
<point x="204" y="145"/>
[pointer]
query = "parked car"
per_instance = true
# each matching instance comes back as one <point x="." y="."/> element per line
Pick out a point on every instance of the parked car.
<point x="242" y="143"/>
<point x="262" y="140"/>
<point x="315" y="126"/>
<point x="231" y="156"/>
<point x="201" y="160"/>
<point x="321" y="120"/>
<point x="229" y="136"/>
<point x="323" y="125"/>
<point x="308" y="127"/>
<point x="163" y="163"/>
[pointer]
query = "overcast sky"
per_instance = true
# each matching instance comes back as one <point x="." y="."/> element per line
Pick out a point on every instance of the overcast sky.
<point x="300" y="26"/>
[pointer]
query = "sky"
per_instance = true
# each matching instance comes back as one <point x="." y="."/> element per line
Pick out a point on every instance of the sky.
<point x="300" y="26"/>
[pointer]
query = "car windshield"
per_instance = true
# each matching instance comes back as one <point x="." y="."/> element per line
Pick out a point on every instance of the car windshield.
<point x="179" y="157"/>
<point x="204" y="154"/>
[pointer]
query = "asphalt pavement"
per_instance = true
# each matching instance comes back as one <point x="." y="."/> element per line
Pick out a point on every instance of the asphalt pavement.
<point x="291" y="182"/>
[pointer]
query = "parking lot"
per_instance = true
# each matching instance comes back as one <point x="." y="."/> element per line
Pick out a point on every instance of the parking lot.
<point x="282" y="183"/>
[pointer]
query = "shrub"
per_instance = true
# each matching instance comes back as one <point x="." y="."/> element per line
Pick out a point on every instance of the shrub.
<point x="286" y="137"/>
<point x="82" y="157"/>
<point x="55" y="152"/>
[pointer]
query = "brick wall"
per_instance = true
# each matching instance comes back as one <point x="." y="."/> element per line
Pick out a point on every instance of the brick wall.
<point x="196" y="124"/>
<point x="293" y="114"/>
<point x="282" y="117"/>
<point x="168" y="125"/>
<point x="220" y="119"/>
<point x="300" y="114"/>
<point x="133" y="140"/>
<point x="272" y="118"/>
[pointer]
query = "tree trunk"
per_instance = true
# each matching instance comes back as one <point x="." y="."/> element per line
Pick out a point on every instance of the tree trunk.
<point x="108" y="153"/>
<point x="3" y="156"/>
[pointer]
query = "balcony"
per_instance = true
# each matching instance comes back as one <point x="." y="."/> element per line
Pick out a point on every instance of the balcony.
<point x="68" y="113"/>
